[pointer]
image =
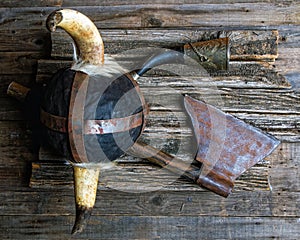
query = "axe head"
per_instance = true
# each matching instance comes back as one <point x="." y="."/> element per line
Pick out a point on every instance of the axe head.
<point x="227" y="146"/>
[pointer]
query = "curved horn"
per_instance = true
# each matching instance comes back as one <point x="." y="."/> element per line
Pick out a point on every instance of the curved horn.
<point x="91" y="52"/>
<point x="83" y="31"/>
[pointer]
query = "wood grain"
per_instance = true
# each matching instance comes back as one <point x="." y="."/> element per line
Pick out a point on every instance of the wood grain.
<point x="16" y="41"/>
<point x="32" y="3"/>
<point x="118" y="41"/>
<point x="18" y="62"/>
<point x="140" y="15"/>
<point x="148" y="227"/>
<point x="187" y="203"/>
<point x="194" y="14"/>
<point x="188" y="213"/>
<point x="138" y="176"/>
<point x="66" y="3"/>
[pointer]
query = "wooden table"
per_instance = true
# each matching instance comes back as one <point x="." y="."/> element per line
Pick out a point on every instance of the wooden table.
<point x="142" y="202"/>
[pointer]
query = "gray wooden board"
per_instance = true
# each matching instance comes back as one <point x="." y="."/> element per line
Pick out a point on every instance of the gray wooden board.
<point x="116" y="41"/>
<point x="151" y="227"/>
<point x="134" y="174"/>
<point x="250" y="73"/>
<point x="48" y="213"/>
<point x="117" y="15"/>
<point x="188" y="202"/>
<point x="137" y="176"/>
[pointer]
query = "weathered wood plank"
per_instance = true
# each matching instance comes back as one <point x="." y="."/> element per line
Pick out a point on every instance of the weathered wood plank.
<point x="116" y="41"/>
<point x="164" y="15"/>
<point x="51" y="171"/>
<point x="289" y="51"/>
<point x="69" y="3"/>
<point x="10" y="110"/>
<point x="17" y="63"/>
<point x="22" y="19"/>
<point x="15" y="40"/>
<point x="32" y="3"/>
<point x="15" y="169"/>
<point x="283" y="125"/>
<point x="174" y="15"/>
<point x="16" y="154"/>
<point x="132" y="227"/>
<point x="289" y="36"/>
<point x="289" y="61"/>
<point x="286" y="178"/>
<point x="249" y="74"/>
<point x="14" y="133"/>
<point x="135" y="176"/>
<point x="155" y="203"/>
<point x="285" y="172"/>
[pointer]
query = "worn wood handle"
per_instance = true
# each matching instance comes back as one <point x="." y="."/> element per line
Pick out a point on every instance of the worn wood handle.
<point x="165" y="160"/>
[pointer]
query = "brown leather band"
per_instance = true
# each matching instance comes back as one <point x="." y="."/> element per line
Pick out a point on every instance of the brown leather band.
<point x="76" y="117"/>
<point x="53" y="122"/>
<point x="58" y="124"/>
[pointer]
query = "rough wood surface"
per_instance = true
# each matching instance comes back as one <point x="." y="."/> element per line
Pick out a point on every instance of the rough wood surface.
<point x="156" y="203"/>
<point x="133" y="173"/>
<point x="152" y="227"/>
<point x="260" y="99"/>
<point x="48" y="213"/>
<point x="173" y="14"/>
<point x="117" y="41"/>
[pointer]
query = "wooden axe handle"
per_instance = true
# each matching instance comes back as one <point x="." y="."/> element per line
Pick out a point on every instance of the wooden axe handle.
<point x="165" y="160"/>
<point x="193" y="173"/>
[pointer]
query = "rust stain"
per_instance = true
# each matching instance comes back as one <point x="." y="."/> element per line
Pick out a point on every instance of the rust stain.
<point x="227" y="146"/>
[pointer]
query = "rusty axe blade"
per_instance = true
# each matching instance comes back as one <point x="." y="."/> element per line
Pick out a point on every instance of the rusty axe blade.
<point x="227" y="146"/>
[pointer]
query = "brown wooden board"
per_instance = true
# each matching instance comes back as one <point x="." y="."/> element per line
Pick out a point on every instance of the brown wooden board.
<point x="184" y="212"/>
<point x="118" y="15"/>
<point x="151" y="227"/>
<point x="32" y="3"/>
<point x="117" y="41"/>
<point x="51" y="201"/>
<point x="132" y="173"/>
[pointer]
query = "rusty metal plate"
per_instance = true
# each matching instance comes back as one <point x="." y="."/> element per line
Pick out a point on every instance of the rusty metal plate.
<point x="227" y="146"/>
